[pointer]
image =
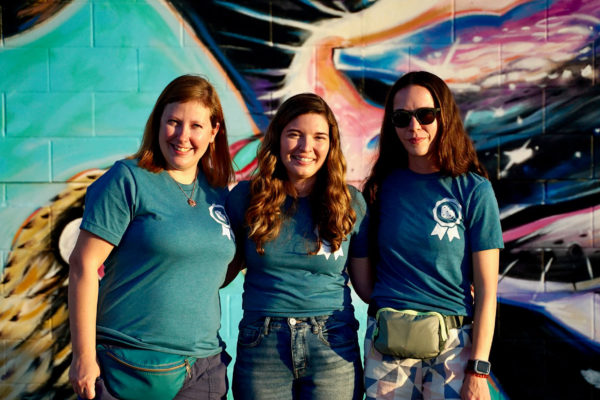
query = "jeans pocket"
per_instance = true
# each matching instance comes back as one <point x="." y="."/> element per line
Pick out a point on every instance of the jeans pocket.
<point x="250" y="335"/>
<point x="337" y="333"/>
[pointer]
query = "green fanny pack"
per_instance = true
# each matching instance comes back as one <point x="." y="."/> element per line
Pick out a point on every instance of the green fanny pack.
<point x="409" y="333"/>
<point x="132" y="374"/>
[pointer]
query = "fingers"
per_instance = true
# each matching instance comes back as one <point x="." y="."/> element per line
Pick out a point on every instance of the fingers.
<point x="85" y="390"/>
<point x="83" y="376"/>
<point x="89" y="391"/>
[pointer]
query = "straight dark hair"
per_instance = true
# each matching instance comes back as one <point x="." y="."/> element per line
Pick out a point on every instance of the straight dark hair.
<point x="452" y="149"/>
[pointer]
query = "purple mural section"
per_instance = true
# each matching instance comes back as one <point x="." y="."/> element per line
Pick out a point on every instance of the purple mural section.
<point x="526" y="77"/>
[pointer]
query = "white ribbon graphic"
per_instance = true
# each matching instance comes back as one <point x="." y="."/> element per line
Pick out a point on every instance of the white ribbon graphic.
<point x="448" y="215"/>
<point x="217" y="212"/>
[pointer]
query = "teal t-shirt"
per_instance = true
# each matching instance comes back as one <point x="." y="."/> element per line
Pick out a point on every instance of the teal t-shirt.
<point x="428" y="227"/>
<point x="287" y="280"/>
<point x="161" y="285"/>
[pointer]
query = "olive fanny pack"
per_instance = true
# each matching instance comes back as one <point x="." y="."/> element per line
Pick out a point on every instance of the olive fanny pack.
<point x="131" y="373"/>
<point x="412" y="334"/>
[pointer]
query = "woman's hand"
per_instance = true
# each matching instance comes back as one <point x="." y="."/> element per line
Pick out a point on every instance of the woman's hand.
<point x="83" y="374"/>
<point x="475" y="388"/>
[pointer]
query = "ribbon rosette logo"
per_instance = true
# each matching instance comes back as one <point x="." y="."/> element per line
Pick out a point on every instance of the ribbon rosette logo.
<point x="325" y="248"/>
<point x="448" y="215"/>
<point x="217" y="212"/>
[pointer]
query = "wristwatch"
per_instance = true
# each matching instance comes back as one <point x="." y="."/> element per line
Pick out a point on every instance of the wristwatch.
<point x="479" y="367"/>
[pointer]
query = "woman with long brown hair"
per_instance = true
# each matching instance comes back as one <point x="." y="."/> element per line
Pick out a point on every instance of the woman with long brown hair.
<point x="301" y="233"/>
<point x="436" y="234"/>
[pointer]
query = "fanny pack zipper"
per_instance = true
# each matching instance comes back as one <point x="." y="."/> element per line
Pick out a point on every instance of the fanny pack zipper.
<point x="185" y="364"/>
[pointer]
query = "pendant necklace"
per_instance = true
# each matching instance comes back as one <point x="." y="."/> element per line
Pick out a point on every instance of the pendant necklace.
<point x="190" y="201"/>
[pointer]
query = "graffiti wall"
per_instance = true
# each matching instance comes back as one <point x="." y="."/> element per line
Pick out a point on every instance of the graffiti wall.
<point x="79" y="78"/>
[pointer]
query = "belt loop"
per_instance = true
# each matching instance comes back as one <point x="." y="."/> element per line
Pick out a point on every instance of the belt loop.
<point x="314" y="325"/>
<point x="451" y="321"/>
<point x="457" y="321"/>
<point x="266" y="326"/>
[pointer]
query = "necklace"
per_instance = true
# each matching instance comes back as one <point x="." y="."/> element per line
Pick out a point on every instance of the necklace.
<point x="191" y="202"/>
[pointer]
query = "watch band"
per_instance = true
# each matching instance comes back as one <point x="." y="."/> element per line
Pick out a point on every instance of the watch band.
<point x="475" y="374"/>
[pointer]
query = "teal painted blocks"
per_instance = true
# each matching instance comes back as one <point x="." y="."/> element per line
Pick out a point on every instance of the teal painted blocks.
<point x="158" y="67"/>
<point x="83" y="69"/>
<point x="72" y="156"/>
<point x="24" y="160"/>
<point x="49" y="114"/>
<point x="24" y="69"/>
<point x="122" y="114"/>
<point x="2" y="116"/>
<point x="31" y="195"/>
<point x="125" y="24"/>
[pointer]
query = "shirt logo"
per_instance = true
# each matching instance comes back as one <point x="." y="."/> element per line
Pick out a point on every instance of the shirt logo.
<point x="325" y="249"/>
<point x="217" y="212"/>
<point x="448" y="215"/>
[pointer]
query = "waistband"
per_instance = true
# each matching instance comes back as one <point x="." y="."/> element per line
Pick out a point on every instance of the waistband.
<point x="452" y="321"/>
<point x="315" y="323"/>
<point x="299" y="320"/>
<point x="345" y="315"/>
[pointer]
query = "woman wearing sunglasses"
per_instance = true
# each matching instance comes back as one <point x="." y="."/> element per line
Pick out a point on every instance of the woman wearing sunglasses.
<point x="436" y="240"/>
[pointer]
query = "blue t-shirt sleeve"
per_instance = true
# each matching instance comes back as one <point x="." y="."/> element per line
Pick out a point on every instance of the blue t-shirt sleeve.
<point x="485" y="231"/>
<point x="109" y="204"/>
<point x="236" y="205"/>
<point x="359" y="239"/>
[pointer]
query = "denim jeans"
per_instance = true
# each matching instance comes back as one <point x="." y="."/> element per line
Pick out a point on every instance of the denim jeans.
<point x="315" y="358"/>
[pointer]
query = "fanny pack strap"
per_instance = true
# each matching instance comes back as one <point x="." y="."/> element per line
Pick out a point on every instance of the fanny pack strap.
<point x="456" y="321"/>
<point x="452" y="321"/>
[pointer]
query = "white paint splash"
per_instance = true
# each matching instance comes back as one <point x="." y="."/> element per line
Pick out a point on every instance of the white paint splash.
<point x="592" y="377"/>
<point x="517" y="156"/>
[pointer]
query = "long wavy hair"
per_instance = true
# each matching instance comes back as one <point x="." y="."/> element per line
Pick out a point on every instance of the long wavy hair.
<point x="216" y="162"/>
<point x="330" y="200"/>
<point x="452" y="149"/>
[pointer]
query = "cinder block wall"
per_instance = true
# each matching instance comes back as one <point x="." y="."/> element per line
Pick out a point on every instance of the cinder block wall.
<point x="78" y="80"/>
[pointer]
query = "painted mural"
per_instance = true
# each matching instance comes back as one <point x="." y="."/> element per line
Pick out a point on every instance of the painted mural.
<point x="80" y="77"/>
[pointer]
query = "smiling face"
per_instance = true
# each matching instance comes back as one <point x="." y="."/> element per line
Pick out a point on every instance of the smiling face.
<point x="416" y="138"/>
<point x="304" y="147"/>
<point x="185" y="134"/>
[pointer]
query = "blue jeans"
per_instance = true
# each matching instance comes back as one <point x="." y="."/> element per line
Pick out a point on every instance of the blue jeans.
<point x="315" y="358"/>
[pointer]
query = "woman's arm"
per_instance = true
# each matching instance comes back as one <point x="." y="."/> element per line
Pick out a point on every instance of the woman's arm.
<point x="88" y="255"/>
<point x="235" y="266"/>
<point x="485" y="282"/>
<point x="362" y="277"/>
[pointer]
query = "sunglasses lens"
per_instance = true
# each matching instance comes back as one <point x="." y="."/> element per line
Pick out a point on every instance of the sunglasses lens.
<point x="425" y="116"/>
<point x="401" y="119"/>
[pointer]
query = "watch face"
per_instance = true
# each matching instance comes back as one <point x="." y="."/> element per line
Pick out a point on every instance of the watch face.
<point x="482" y="367"/>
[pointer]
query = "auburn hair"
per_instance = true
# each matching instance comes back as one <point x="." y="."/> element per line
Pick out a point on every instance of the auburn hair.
<point x="330" y="199"/>
<point x="216" y="162"/>
<point x="452" y="149"/>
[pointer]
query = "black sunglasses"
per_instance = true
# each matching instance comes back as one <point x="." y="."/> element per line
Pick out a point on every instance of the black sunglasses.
<point x="425" y="116"/>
